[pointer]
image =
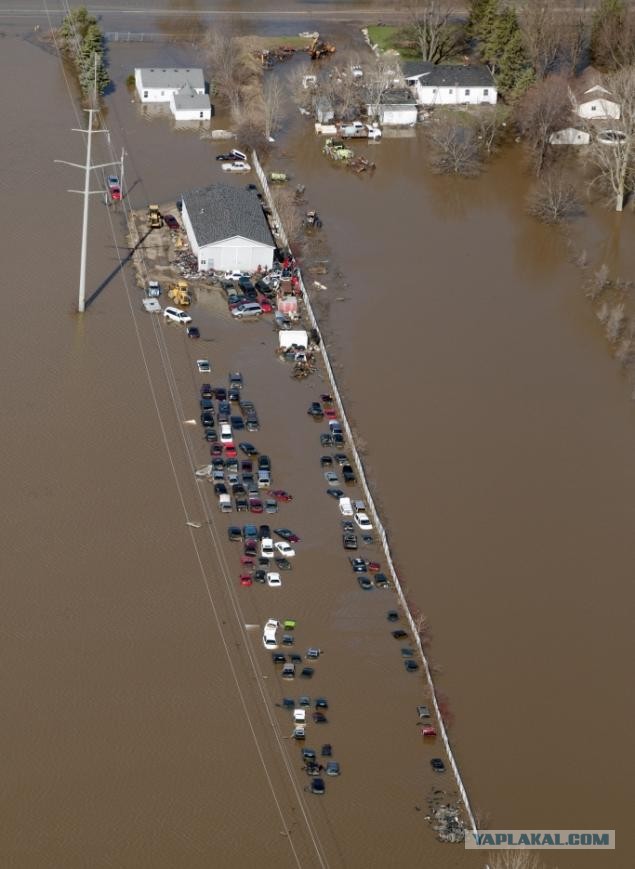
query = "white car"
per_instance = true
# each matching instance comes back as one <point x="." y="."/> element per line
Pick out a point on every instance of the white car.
<point x="226" y="436"/>
<point x="176" y="315"/>
<point x="154" y="289"/>
<point x="363" y="522"/>
<point x="269" y="635"/>
<point x="237" y="166"/>
<point x="346" y="507"/>
<point x="284" y="549"/>
<point x="151" y="306"/>
<point x="266" y="548"/>
<point x="273" y="580"/>
<point x="234" y="275"/>
<point x="203" y="366"/>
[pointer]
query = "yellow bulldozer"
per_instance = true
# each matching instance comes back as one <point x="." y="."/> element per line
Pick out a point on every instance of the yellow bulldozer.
<point x="155" y="221"/>
<point x="180" y="294"/>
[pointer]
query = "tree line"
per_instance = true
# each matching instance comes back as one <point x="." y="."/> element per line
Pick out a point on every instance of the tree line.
<point x="83" y="43"/>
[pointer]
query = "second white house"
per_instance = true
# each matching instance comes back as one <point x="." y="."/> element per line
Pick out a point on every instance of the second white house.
<point x="448" y="84"/>
<point x="227" y="229"/>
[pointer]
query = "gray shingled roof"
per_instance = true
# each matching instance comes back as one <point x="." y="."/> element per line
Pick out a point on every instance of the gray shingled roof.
<point x="449" y="75"/>
<point x="397" y="97"/>
<point x="218" y="212"/>
<point x="188" y="98"/>
<point x="156" y="77"/>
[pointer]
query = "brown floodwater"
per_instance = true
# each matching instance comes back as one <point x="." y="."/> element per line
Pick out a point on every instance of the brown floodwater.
<point x="465" y="336"/>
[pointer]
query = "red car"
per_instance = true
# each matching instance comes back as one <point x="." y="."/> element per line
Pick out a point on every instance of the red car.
<point x="374" y="566"/>
<point x="245" y="579"/>
<point x="265" y="304"/>
<point x="281" y="495"/>
<point x="230" y="451"/>
<point x="255" y="505"/>
<point x="216" y="451"/>
<point x="247" y="559"/>
<point x="250" y="548"/>
<point x="171" y="222"/>
<point x="330" y="413"/>
<point x="115" y="194"/>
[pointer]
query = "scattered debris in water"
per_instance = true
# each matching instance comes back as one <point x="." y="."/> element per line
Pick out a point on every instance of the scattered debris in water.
<point x="445" y="817"/>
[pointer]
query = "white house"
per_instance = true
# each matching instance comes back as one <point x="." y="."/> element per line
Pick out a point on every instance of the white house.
<point x="591" y="100"/>
<point x="227" y="228"/>
<point x="182" y="89"/>
<point x="187" y="104"/>
<point x="450" y="84"/>
<point x="397" y="108"/>
<point x="569" y="136"/>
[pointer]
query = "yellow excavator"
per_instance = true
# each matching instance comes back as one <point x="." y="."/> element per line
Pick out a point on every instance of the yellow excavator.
<point x="180" y="294"/>
<point x="155" y="221"/>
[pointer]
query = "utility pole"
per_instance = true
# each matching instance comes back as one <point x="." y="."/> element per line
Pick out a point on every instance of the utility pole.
<point x="86" y="192"/>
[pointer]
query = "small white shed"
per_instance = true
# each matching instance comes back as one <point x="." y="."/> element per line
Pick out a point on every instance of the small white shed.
<point x="397" y="108"/>
<point x="288" y="337"/>
<point x="227" y="229"/>
<point x="570" y="136"/>
<point x="187" y="104"/>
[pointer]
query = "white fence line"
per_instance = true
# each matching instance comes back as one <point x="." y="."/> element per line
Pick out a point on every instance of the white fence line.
<point x="373" y="510"/>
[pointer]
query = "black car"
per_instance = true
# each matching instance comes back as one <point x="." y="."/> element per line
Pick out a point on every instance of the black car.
<point x="239" y="490"/>
<point x="192" y="332"/>
<point x="342" y="459"/>
<point x="410" y="665"/>
<point x="321" y="703"/>
<point x="242" y="505"/>
<point x="315" y="410"/>
<point x="207" y="404"/>
<point x="399" y="634"/>
<point x="234" y="394"/>
<point x="210" y="435"/>
<point x="327" y="750"/>
<point x="252" y="423"/>
<point x="278" y="658"/>
<point x="335" y="493"/>
<point x="319" y="718"/>
<point x="224" y="411"/>
<point x="207" y="419"/>
<point x="326" y="461"/>
<point x="207" y="391"/>
<point x="364" y="583"/>
<point x="234" y="532"/>
<point x="392" y="616"/>
<point x="264" y="531"/>
<point x="264" y="463"/>
<point x="247" y="449"/>
<point x="317" y="786"/>
<point x="326" y="439"/>
<point x="359" y="565"/>
<point x="286" y="534"/>
<point x="337" y="439"/>
<point x="437" y="764"/>
<point x="381" y="580"/>
<point x="407" y="652"/>
<point x="229" y="158"/>
<point x="348" y="473"/>
<point x="246" y="406"/>
<point x="220" y="489"/>
<point x="260" y="576"/>
<point x="283" y="564"/>
<point x="349" y="541"/>
<point x="307" y="673"/>
<point x="237" y="423"/>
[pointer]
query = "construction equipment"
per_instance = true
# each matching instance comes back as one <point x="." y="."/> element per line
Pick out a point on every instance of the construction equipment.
<point x="318" y="49"/>
<point x="179" y="294"/>
<point x="155" y="220"/>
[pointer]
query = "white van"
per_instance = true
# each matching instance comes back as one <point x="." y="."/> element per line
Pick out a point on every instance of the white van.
<point x="238" y="154"/>
<point x="225" y="503"/>
<point x="346" y="507"/>
<point x="269" y="637"/>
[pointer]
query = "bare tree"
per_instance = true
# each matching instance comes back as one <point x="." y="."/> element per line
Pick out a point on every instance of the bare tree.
<point x="380" y="75"/>
<point x="288" y="212"/>
<point x="553" y="199"/>
<point x="454" y="147"/>
<point x="233" y="68"/>
<point x="545" y="108"/>
<point x="615" y="322"/>
<point x="491" y="125"/>
<point x="601" y="281"/>
<point x="613" y="35"/>
<point x="433" y="28"/>
<point x="515" y="860"/>
<point x="542" y="34"/>
<point x="574" y="39"/>
<point x="272" y="95"/>
<point x="614" y="161"/>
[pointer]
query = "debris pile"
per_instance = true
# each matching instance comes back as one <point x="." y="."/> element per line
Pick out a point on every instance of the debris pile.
<point x="445" y="818"/>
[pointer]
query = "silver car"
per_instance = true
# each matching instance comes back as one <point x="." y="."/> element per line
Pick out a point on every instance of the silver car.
<point x="249" y="309"/>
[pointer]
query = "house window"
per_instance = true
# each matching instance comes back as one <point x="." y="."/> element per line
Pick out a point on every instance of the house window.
<point x="162" y="93"/>
<point x="450" y="90"/>
<point x="434" y="90"/>
<point x="467" y="92"/>
<point x="200" y="114"/>
<point x="485" y="92"/>
<point x="593" y="108"/>
<point x="145" y="95"/>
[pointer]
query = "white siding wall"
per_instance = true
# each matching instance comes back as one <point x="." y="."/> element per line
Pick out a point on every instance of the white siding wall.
<point x="157" y="95"/>
<point x="191" y="114"/>
<point x="187" y="223"/>
<point x="398" y="117"/>
<point x="234" y="253"/>
<point x="601" y="109"/>
<point x="449" y="96"/>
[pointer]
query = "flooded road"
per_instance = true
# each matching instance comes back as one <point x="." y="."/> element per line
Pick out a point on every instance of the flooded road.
<point x="465" y="330"/>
